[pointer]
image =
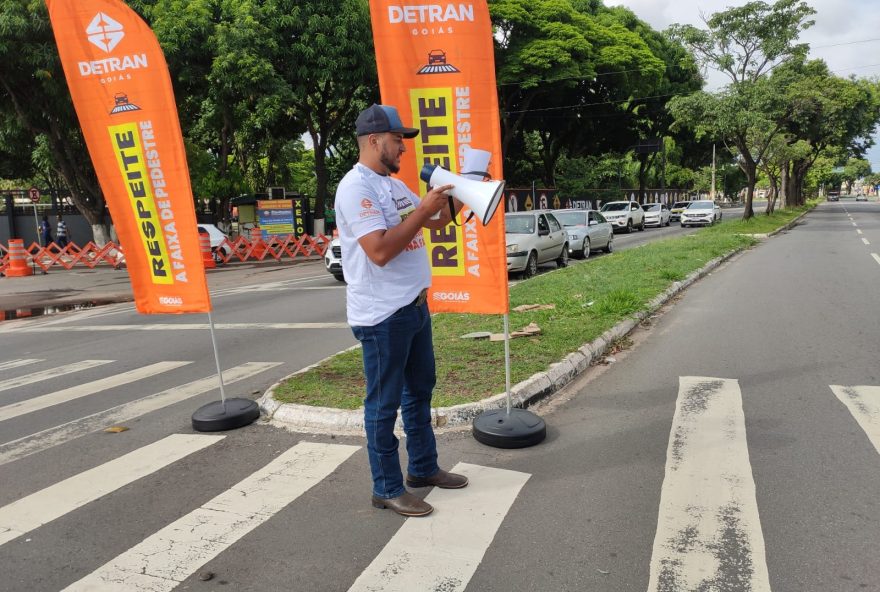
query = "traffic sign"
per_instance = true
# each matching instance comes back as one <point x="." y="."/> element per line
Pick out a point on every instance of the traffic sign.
<point x="34" y="194"/>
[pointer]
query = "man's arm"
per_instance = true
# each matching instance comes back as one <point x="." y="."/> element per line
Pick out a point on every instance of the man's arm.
<point x="381" y="246"/>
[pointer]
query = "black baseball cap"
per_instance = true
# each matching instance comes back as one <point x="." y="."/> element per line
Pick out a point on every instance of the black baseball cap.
<point x="379" y="119"/>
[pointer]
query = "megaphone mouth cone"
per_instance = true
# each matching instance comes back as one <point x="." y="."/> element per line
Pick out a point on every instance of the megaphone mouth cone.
<point x="493" y="204"/>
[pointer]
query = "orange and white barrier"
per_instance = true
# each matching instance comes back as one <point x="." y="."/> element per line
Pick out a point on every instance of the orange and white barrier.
<point x="91" y="255"/>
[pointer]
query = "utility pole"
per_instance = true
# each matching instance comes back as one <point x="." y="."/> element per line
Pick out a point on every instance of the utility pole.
<point x="712" y="197"/>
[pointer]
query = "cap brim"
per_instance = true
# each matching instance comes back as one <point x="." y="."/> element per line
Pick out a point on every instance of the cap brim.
<point x="408" y="132"/>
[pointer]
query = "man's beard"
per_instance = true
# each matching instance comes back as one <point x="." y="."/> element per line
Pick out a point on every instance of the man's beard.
<point x="390" y="163"/>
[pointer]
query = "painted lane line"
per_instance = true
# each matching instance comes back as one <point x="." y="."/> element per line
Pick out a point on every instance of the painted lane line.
<point x="71" y="430"/>
<point x="51" y="373"/>
<point x="876" y="257"/>
<point x="168" y="557"/>
<point x="443" y="552"/>
<point x="708" y="530"/>
<point x="864" y="404"/>
<point x="859" y="231"/>
<point x="17" y="363"/>
<point x="864" y="240"/>
<point x="185" y="327"/>
<point x="854" y="224"/>
<point x="44" y="506"/>
<point x="86" y="389"/>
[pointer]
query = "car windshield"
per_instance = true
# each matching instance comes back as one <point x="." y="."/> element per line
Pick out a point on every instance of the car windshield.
<point x="652" y="208"/>
<point x="519" y="224"/>
<point x="681" y="204"/>
<point x="701" y="205"/>
<point x="572" y="218"/>
<point x="615" y="206"/>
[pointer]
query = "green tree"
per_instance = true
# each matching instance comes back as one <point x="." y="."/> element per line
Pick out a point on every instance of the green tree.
<point x="745" y="43"/>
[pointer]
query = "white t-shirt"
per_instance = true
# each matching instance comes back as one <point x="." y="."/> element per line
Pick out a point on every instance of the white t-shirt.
<point x="365" y="202"/>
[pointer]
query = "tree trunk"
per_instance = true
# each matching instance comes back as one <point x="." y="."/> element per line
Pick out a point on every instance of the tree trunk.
<point x="751" y="172"/>
<point x="784" y="183"/>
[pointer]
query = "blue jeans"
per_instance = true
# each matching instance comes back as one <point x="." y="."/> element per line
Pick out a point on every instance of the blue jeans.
<point x="399" y="367"/>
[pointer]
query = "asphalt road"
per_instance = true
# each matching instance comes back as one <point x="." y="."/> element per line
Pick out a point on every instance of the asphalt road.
<point x="714" y="454"/>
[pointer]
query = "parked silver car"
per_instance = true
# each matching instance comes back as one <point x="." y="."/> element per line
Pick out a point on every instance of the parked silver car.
<point x="587" y="231"/>
<point x="701" y="212"/>
<point x="656" y="214"/>
<point x="533" y="238"/>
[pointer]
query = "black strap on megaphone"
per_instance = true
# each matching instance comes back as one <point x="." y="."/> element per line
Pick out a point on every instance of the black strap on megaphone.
<point x="425" y="175"/>
<point x="452" y="212"/>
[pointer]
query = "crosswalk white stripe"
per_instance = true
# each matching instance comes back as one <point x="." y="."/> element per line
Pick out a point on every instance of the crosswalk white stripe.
<point x="168" y="557"/>
<point x="71" y="430"/>
<point x="864" y="240"/>
<point x="83" y="390"/>
<point x="181" y="327"/>
<point x="442" y="551"/>
<point x="46" y="505"/>
<point x="864" y="404"/>
<point x="876" y="257"/>
<point x="708" y="530"/>
<point x="51" y="373"/>
<point x="17" y="363"/>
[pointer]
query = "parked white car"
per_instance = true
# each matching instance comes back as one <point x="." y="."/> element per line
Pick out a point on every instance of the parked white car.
<point x="656" y="214"/>
<point x="333" y="260"/>
<point x="703" y="212"/>
<point x="624" y="215"/>
<point x="587" y="231"/>
<point x="533" y="238"/>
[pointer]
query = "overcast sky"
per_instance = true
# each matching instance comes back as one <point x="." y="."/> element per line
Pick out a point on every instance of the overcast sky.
<point x="846" y="34"/>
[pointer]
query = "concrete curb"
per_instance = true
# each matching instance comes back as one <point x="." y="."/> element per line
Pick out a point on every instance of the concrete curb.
<point x="539" y="386"/>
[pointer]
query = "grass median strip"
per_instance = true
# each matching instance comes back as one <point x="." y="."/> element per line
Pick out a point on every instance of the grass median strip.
<point x="589" y="299"/>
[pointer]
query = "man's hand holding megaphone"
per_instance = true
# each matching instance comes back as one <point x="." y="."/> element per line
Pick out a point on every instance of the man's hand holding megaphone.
<point x="432" y="212"/>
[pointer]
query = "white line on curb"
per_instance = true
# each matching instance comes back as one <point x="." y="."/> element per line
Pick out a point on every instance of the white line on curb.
<point x="46" y="505"/>
<point x="708" y="530"/>
<point x="165" y="559"/>
<point x="442" y="552"/>
<point x="864" y="404"/>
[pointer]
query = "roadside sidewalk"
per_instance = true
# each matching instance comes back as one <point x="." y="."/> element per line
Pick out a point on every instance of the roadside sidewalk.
<point x="63" y="289"/>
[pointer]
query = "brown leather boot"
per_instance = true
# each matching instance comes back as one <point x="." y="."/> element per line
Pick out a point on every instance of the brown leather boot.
<point x="440" y="479"/>
<point x="405" y="505"/>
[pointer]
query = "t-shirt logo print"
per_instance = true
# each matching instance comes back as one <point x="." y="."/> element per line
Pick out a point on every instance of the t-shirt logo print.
<point x="366" y="204"/>
<point x="105" y="32"/>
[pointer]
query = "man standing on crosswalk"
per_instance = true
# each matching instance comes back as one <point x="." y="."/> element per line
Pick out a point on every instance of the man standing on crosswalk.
<point x="385" y="264"/>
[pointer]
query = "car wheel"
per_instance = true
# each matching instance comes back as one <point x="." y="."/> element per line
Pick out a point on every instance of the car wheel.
<point x="339" y="277"/>
<point x="610" y="245"/>
<point x="531" y="266"/>
<point x="642" y="226"/>
<point x="563" y="257"/>
<point x="585" y="254"/>
<point x="667" y="223"/>
<point x="629" y="226"/>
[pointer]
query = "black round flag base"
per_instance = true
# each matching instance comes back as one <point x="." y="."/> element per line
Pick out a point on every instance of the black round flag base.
<point x="518" y="429"/>
<point x="212" y="418"/>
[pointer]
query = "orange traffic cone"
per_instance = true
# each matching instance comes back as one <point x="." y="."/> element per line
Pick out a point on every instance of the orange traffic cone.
<point x="205" y="247"/>
<point x="18" y="266"/>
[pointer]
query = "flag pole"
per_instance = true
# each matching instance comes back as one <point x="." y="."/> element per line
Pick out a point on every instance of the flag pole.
<point x="511" y="427"/>
<point x="225" y="414"/>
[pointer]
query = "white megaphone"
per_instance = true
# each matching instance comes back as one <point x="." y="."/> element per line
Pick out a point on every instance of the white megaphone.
<point x="482" y="197"/>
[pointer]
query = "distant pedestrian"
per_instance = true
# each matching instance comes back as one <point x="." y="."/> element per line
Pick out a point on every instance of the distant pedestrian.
<point x="61" y="236"/>
<point x="329" y="219"/>
<point x="45" y="231"/>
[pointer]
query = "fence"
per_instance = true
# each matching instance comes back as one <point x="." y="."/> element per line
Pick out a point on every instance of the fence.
<point x="241" y="249"/>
